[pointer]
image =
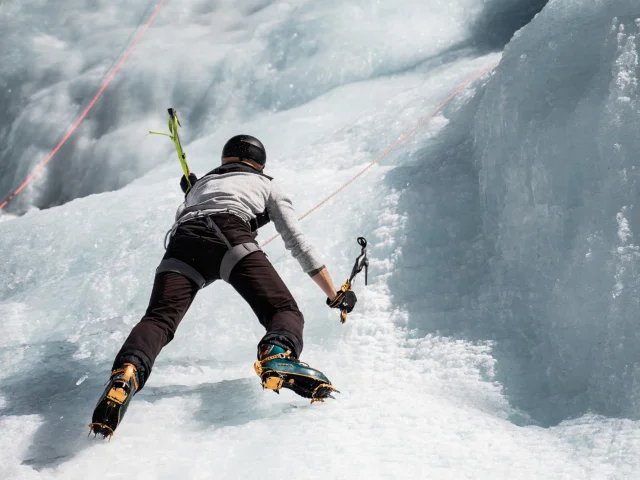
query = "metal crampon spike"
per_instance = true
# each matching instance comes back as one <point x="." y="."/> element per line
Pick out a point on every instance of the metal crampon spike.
<point x="104" y="435"/>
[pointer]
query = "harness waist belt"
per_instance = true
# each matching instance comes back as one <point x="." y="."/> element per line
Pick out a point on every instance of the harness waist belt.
<point x="260" y="220"/>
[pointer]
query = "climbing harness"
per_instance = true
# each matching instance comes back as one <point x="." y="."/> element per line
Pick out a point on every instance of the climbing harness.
<point x="230" y="259"/>
<point x="362" y="262"/>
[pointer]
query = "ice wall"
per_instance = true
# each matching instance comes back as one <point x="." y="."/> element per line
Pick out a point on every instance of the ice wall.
<point x="559" y="183"/>
<point x="526" y="218"/>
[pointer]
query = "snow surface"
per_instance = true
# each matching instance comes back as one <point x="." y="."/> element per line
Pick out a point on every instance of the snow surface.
<point x="498" y="336"/>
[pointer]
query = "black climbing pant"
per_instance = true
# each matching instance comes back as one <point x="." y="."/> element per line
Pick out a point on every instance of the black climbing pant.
<point x="254" y="278"/>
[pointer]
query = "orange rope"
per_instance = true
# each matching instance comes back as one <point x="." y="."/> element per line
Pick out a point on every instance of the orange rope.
<point x="394" y="146"/>
<point x="86" y="110"/>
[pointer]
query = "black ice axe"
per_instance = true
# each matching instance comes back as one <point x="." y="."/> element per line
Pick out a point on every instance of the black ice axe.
<point x="362" y="262"/>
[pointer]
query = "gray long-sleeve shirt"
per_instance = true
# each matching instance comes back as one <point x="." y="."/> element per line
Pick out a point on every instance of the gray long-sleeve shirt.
<point x="246" y="195"/>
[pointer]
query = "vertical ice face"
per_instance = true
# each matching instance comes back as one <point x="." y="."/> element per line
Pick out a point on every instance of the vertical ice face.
<point x="557" y="149"/>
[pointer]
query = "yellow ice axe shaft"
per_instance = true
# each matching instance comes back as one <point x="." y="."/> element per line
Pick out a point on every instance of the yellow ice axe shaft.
<point x="174" y="124"/>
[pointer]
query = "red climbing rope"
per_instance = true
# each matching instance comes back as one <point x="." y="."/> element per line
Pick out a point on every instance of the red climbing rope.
<point x="86" y="110"/>
<point x="394" y="146"/>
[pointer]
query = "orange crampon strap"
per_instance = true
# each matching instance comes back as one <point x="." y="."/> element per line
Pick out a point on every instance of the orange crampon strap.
<point x="123" y="370"/>
<point x="257" y="366"/>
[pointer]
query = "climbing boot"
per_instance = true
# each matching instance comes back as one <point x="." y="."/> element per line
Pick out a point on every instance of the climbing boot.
<point x="113" y="403"/>
<point x="278" y="368"/>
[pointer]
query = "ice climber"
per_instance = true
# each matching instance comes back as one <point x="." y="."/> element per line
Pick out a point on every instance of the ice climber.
<point x="213" y="238"/>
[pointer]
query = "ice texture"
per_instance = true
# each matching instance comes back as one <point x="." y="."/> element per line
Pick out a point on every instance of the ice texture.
<point x="498" y="336"/>
<point x="557" y="138"/>
<point x="218" y="62"/>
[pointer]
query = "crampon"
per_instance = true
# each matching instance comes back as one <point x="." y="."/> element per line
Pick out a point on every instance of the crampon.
<point x="113" y="403"/>
<point x="277" y="369"/>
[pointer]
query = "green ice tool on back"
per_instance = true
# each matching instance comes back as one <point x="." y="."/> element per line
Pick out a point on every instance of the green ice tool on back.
<point x="174" y="124"/>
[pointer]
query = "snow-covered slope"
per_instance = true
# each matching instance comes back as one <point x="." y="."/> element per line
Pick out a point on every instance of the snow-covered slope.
<point x="496" y="339"/>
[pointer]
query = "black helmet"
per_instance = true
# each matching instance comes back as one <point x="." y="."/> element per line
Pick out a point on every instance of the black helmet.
<point x="245" y="146"/>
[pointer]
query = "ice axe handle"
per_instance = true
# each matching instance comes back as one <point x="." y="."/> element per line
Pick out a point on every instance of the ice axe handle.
<point x="343" y="313"/>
